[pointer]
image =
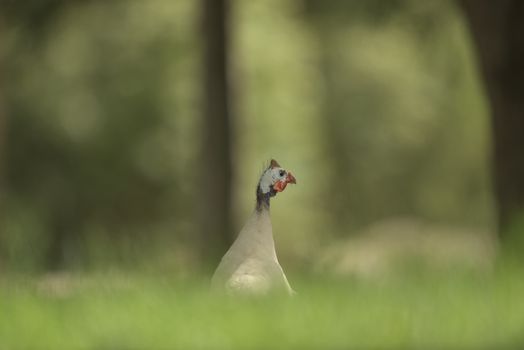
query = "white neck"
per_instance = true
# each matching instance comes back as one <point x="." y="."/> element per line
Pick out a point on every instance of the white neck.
<point x="258" y="232"/>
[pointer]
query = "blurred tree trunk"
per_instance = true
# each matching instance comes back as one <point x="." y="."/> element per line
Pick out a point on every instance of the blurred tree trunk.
<point x="3" y="142"/>
<point x="215" y="198"/>
<point x="497" y="28"/>
<point x="336" y="140"/>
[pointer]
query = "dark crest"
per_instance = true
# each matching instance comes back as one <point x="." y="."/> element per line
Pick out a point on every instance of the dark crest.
<point x="274" y="164"/>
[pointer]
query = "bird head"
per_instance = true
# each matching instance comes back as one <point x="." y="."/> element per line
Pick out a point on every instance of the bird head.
<point x="275" y="179"/>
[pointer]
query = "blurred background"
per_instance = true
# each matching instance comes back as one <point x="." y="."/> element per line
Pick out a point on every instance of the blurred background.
<point x="133" y="132"/>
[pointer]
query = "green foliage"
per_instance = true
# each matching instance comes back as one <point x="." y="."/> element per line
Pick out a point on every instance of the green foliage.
<point x="374" y="106"/>
<point x="395" y="90"/>
<point x="97" y="139"/>
<point x="116" y="311"/>
<point x="513" y="241"/>
<point x="379" y="116"/>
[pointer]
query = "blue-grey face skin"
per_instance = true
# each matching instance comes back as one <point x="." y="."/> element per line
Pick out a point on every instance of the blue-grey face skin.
<point x="273" y="180"/>
<point x="270" y="177"/>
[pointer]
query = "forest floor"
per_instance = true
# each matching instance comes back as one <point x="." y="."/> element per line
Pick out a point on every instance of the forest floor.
<point x="118" y="310"/>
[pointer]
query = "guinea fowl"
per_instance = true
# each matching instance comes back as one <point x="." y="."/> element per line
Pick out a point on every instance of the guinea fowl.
<point x="250" y="266"/>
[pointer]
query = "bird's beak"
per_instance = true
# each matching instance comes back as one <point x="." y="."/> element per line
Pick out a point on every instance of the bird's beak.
<point x="290" y="179"/>
<point x="281" y="185"/>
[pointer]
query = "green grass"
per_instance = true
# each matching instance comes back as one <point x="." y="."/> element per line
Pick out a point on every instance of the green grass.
<point x="115" y="311"/>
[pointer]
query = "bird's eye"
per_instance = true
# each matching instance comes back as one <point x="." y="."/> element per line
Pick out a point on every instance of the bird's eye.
<point x="282" y="173"/>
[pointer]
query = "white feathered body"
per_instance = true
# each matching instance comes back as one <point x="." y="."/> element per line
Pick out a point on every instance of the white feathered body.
<point x="251" y="266"/>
